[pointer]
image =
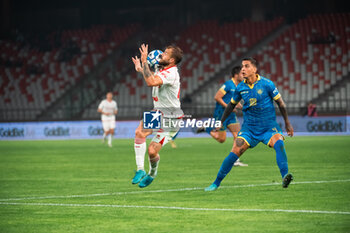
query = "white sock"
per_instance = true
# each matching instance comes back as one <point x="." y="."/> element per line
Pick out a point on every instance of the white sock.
<point x="140" y="151"/>
<point x="110" y="139"/>
<point x="154" y="166"/>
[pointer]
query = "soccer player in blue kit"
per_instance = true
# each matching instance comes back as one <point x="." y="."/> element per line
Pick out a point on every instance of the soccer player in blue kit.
<point x="222" y="98"/>
<point x="259" y="121"/>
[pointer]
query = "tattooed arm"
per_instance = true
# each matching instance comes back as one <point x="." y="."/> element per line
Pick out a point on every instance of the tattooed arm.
<point x="283" y="110"/>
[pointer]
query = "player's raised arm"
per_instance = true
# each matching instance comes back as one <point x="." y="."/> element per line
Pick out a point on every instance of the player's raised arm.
<point x="228" y="110"/>
<point x="151" y="80"/>
<point x="283" y="110"/>
<point x="137" y="64"/>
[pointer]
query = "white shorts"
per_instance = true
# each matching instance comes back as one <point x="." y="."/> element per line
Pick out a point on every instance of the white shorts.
<point x="108" y="124"/>
<point x="163" y="136"/>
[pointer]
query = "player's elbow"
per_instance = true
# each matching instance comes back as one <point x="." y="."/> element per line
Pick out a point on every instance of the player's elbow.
<point x="149" y="83"/>
<point x="281" y="104"/>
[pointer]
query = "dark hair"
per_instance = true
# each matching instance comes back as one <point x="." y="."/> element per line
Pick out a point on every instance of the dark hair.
<point x="252" y="60"/>
<point x="176" y="53"/>
<point x="235" y="70"/>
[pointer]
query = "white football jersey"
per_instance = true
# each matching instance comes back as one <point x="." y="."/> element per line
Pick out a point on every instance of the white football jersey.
<point x="166" y="97"/>
<point x="108" y="107"/>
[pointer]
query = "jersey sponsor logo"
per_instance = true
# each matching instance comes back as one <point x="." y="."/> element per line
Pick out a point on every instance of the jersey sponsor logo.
<point x="275" y="91"/>
<point x="152" y="120"/>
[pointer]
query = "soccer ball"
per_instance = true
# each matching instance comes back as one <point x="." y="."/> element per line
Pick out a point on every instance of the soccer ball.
<point x="153" y="58"/>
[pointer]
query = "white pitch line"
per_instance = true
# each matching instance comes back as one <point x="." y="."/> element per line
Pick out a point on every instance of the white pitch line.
<point x="179" y="208"/>
<point x="165" y="190"/>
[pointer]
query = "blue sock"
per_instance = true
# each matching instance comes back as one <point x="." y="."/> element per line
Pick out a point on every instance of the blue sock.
<point x="226" y="167"/>
<point x="281" y="157"/>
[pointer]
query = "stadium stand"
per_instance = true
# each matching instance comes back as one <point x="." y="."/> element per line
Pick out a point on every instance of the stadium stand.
<point x="310" y="57"/>
<point x="306" y="60"/>
<point x="206" y="52"/>
<point x="33" y="76"/>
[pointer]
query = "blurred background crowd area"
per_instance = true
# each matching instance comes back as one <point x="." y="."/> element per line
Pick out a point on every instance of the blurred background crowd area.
<point x="59" y="58"/>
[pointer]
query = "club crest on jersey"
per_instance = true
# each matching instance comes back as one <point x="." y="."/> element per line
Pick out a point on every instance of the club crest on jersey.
<point x="260" y="91"/>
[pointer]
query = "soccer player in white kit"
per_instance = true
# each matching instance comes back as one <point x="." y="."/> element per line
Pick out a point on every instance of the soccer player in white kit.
<point x="108" y="109"/>
<point x="166" y="99"/>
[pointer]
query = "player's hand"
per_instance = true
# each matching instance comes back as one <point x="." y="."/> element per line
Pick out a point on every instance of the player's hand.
<point x="144" y="52"/>
<point x="137" y="64"/>
<point x="289" y="128"/>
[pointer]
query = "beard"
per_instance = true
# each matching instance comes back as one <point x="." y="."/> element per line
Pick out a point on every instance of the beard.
<point x="163" y="63"/>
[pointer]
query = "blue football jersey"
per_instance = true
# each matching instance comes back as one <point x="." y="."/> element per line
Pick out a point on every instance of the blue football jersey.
<point x="258" y="109"/>
<point x="228" y="88"/>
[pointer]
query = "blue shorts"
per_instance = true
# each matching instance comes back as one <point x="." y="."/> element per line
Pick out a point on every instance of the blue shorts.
<point x="231" y="119"/>
<point x="252" y="136"/>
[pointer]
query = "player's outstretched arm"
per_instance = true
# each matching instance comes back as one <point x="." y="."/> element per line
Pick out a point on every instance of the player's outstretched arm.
<point x="283" y="110"/>
<point x="239" y="106"/>
<point x="228" y="111"/>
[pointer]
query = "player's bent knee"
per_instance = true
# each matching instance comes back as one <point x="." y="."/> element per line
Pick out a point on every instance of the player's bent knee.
<point x="239" y="147"/>
<point x="152" y="152"/>
<point x="221" y="140"/>
<point x="139" y="134"/>
<point x="274" y="139"/>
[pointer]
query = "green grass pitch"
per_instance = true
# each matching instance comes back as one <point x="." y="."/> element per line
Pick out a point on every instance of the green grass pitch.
<point x="38" y="181"/>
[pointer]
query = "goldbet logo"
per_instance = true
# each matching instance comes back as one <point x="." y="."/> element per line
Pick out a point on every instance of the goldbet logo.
<point x="95" y="131"/>
<point x="11" y="132"/>
<point x="58" y="131"/>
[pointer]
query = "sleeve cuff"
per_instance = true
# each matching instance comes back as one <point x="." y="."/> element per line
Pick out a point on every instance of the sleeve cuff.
<point x="277" y="97"/>
<point x="233" y="101"/>
<point x="223" y="91"/>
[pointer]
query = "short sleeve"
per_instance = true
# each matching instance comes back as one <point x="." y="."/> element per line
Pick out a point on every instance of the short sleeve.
<point x="100" y="106"/>
<point x="273" y="91"/>
<point x="224" y="88"/>
<point x="236" y="97"/>
<point x="167" y="77"/>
